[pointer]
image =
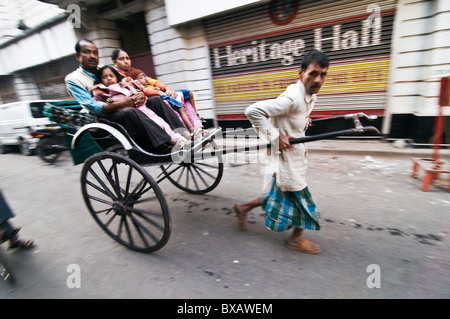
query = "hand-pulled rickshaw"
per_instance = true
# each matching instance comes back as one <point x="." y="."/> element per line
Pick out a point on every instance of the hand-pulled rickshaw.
<point x="122" y="197"/>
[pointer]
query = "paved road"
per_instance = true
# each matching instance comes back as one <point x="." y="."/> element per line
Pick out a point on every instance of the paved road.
<point x="371" y="211"/>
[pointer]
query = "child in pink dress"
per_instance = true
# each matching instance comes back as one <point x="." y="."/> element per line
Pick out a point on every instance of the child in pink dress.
<point x="111" y="90"/>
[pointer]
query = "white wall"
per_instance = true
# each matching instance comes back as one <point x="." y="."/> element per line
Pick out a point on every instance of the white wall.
<point x="32" y="12"/>
<point x="420" y="57"/>
<point x="180" y="57"/>
<point x="40" y="47"/>
<point x="182" y="11"/>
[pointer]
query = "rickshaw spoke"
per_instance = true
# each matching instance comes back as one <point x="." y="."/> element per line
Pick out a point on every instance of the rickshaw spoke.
<point x="205" y="172"/>
<point x="191" y="171"/>
<point x="140" y="185"/>
<point x="110" y="194"/>
<point x="109" y="178"/>
<point x="173" y="171"/>
<point x="101" y="200"/>
<point x="206" y="164"/>
<point x="181" y="174"/>
<point x="141" y="201"/>
<point x="116" y="177"/>
<point x="106" y="211"/>
<point x="123" y="222"/>
<point x="127" y="189"/>
<point x="143" y="213"/>
<point x="110" y="220"/>
<point x="200" y="175"/>
<point x="101" y="190"/>
<point x="141" y="191"/>
<point x="187" y="176"/>
<point x="130" y="236"/>
<point x="144" y="191"/>
<point x="140" y="227"/>
<point x="119" y="229"/>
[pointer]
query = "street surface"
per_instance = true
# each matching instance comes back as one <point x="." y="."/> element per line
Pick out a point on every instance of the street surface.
<point x="373" y="216"/>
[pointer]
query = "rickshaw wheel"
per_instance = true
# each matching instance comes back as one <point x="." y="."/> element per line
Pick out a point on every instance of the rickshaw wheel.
<point x="126" y="202"/>
<point x="200" y="173"/>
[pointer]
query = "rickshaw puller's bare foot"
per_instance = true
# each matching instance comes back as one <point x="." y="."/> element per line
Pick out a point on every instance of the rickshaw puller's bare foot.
<point x="241" y="216"/>
<point x="304" y="246"/>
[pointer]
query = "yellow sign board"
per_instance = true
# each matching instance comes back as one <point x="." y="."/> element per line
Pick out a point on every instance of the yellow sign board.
<point x="355" y="77"/>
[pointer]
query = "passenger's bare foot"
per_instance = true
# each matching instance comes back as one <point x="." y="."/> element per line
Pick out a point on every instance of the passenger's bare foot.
<point x="304" y="246"/>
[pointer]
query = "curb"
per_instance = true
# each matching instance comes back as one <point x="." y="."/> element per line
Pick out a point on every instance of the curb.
<point x="355" y="147"/>
<point x="382" y="153"/>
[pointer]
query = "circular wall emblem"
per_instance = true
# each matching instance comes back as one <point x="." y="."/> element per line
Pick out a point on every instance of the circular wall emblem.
<point x="283" y="11"/>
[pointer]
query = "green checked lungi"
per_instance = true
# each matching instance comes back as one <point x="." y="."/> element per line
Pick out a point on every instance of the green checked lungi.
<point x="285" y="210"/>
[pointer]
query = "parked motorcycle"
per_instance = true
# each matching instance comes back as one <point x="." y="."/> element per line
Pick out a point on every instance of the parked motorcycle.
<point x="52" y="142"/>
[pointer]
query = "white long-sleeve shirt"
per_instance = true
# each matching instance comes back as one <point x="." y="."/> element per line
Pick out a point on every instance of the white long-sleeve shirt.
<point x="287" y="115"/>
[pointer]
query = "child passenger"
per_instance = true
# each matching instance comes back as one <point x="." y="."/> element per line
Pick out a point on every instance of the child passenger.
<point x="110" y="88"/>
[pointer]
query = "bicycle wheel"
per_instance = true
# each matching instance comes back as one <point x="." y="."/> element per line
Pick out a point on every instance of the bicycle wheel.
<point x="126" y="202"/>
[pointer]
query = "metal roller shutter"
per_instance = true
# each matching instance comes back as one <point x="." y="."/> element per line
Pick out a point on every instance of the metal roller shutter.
<point x="255" y="53"/>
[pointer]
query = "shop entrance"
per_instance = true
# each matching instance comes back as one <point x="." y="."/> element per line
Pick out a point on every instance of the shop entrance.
<point x="133" y="36"/>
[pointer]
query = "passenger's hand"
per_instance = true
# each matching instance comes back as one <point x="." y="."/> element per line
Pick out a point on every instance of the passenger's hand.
<point x="138" y="98"/>
<point x="171" y="92"/>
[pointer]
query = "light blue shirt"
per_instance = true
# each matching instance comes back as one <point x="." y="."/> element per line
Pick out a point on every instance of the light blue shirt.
<point x="84" y="97"/>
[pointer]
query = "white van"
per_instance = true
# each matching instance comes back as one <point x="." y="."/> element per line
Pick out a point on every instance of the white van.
<point x="16" y="121"/>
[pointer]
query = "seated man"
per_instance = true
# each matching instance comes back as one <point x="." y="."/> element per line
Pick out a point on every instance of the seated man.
<point x="144" y="131"/>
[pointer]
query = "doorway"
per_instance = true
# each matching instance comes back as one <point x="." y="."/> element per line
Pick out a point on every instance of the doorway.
<point x="133" y="36"/>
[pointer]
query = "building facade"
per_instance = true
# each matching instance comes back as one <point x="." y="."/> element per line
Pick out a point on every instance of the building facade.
<point x="387" y="56"/>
